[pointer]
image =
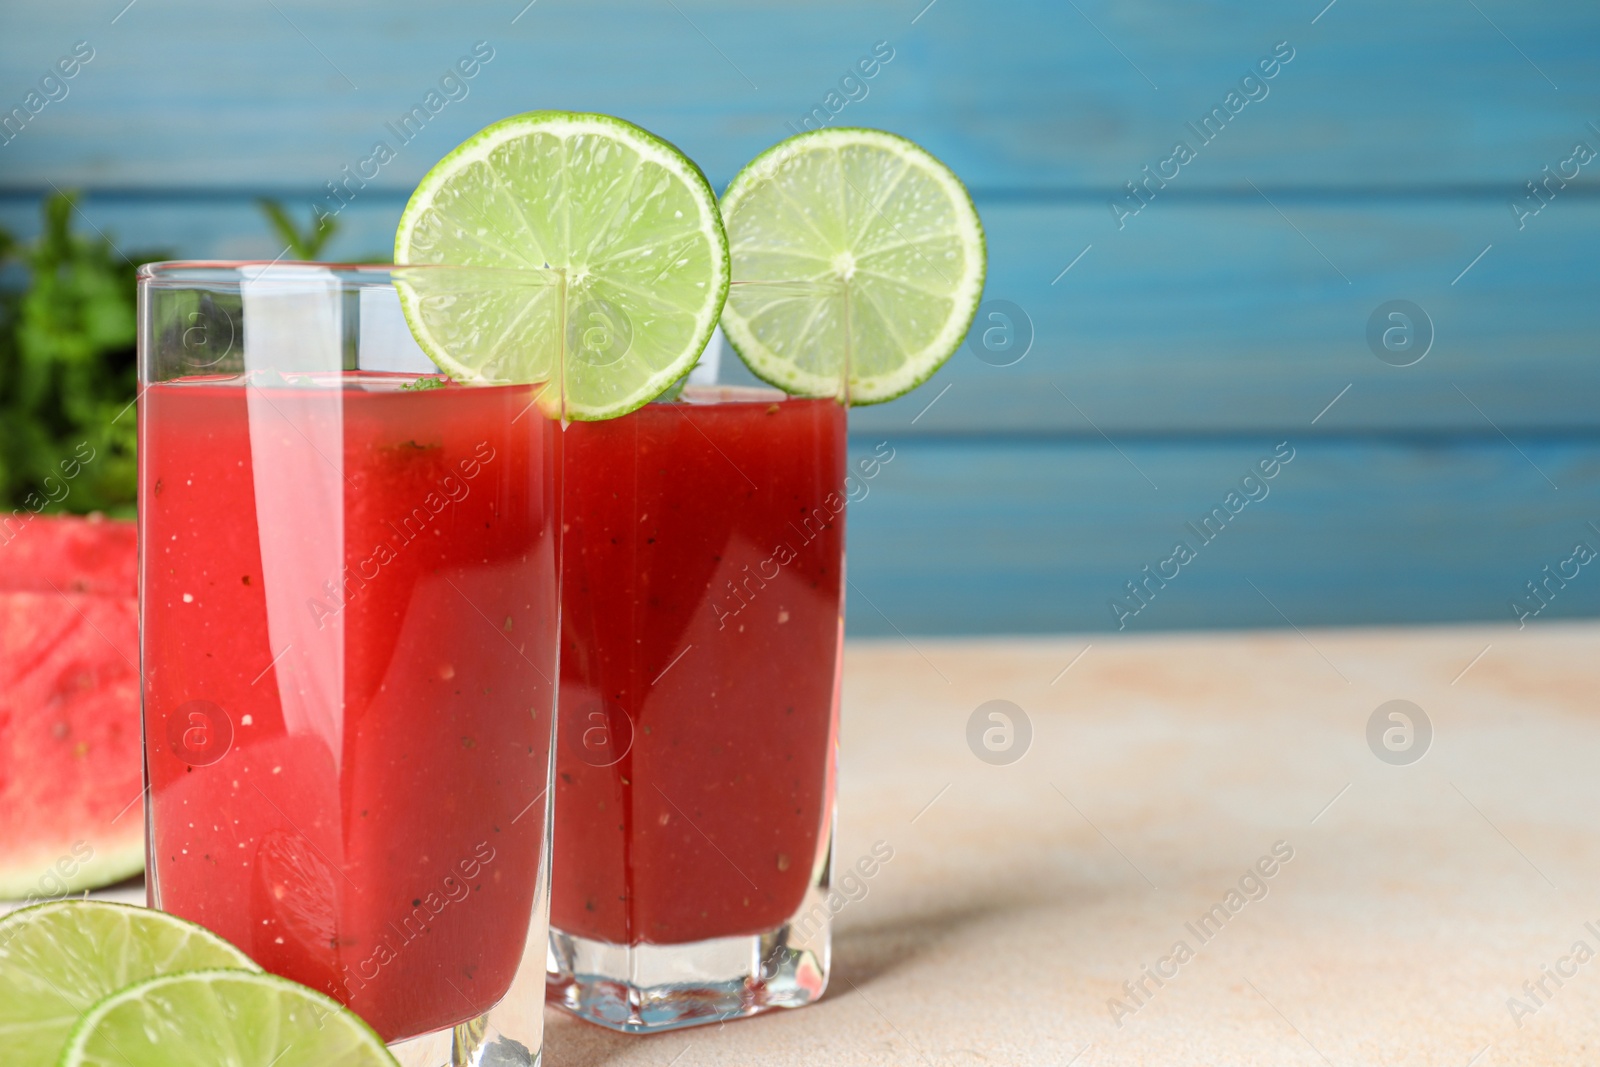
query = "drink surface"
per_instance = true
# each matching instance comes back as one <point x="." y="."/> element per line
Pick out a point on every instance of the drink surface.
<point x="349" y="597"/>
<point x="703" y="579"/>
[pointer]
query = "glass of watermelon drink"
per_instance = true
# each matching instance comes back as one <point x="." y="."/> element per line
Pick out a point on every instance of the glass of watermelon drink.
<point x="702" y="624"/>
<point x="349" y="619"/>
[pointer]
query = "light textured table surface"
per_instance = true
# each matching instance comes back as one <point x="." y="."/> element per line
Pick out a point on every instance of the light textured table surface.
<point x="1418" y="901"/>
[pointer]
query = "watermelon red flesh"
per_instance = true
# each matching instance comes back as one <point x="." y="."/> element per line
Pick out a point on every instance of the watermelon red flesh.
<point x="71" y="772"/>
<point x="69" y="554"/>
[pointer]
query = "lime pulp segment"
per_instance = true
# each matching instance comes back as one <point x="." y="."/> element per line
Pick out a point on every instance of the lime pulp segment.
<point x="624" y="221"/>
<point x="58" y="959"/>
<point x="221" y="1018"/>
<point x="880" y="218"/>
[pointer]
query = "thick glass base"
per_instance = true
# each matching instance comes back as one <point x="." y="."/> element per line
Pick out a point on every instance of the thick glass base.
<point x="474" y="1043"/>
<point x="639" y="989"/>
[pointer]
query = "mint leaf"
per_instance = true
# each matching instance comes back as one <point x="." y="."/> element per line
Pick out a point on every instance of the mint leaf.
<point x="68" y="371"/>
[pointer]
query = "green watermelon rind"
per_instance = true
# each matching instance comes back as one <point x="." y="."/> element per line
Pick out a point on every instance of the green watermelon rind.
<point x="22" y="876"/>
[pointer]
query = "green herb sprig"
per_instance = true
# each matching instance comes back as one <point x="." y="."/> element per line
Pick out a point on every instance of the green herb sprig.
<point x="67" y="372"/>
<point x="304" y="245"/>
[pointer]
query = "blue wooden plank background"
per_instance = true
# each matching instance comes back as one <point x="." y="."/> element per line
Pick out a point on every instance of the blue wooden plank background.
<point x="1166" y="349"/>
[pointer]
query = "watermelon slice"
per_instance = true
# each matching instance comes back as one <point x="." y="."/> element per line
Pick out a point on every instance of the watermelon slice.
<point x="71" y="770"/>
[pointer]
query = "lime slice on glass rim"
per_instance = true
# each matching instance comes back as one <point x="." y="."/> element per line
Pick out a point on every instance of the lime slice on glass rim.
<point x="221" y="1018"/>
<point x="629" y="222"/>
<point x="58" y="959"/>
<point x="874" y="214"/>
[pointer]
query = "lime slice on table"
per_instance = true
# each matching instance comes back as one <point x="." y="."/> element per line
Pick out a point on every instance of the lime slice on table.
<point x="874" y="214"/>
<point x="222" y="1019"/>
<point x="58" y="959"/>
<point x="628" y="220"/>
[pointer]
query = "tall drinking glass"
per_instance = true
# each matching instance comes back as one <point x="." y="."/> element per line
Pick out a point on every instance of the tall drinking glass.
<point x="348" y="620"/>
<point x="703" y="595"/>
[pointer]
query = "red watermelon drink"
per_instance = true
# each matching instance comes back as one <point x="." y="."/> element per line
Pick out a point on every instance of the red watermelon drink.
<point x="702" y="572"/>
<point x="703" y="585"/>
<point x="348" y="584"/>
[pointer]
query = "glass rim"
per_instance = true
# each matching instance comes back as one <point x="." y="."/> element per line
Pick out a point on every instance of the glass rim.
<point x="214" y="271"/>
<point x="180" y="269"/>
<point x="811" y="285"/>
<point x="183" y="272"/>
